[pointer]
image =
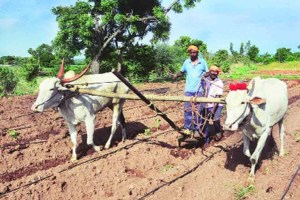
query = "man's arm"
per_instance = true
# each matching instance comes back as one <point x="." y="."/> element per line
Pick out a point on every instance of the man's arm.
<point x="178" y="74"/>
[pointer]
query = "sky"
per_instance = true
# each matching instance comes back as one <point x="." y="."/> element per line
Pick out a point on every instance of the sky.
<point x="267" y="24"/>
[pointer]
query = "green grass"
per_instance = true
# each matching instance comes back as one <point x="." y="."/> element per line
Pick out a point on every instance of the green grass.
<point x="246" y="72"/>
<point x="240" y="71"/>
<point x="292" y="65"/>
<point x="25" y="87"/>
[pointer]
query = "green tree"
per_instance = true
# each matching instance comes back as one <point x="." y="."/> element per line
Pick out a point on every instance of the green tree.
<point x="265" y="58"/>
<point x="139" y="61"/>
<point x="247" y="46"/>
<point x="283" y="54"/>
<point x="296" y="55"/>
<point x="163" y="59"/>
<point x="252" y="53"/>
<point x="7" y="60"/>
<point x="232" y="51"/>
<point x="43" y="55"/>
<point x="97" y="27"/>
<point x="183" y="43"/>
<point x="220" y="57"/>
<point x="242" y="49"/>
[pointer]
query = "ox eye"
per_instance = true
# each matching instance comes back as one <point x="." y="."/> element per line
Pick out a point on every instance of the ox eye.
<point x="51" y="89"/>
<point x="243" y="102"/>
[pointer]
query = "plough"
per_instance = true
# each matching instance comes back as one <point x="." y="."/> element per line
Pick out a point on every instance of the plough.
<point x="148" y="100"/>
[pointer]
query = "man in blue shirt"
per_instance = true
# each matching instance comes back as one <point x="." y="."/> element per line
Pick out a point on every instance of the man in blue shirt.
<point x="194" y="68"/>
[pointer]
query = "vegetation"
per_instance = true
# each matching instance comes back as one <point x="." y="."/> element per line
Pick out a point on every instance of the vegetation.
<point x="243" y="192"/>
<point x="13" y="133"/>
<point x="167" y="167"/>
<point x="101" y="28"/>
<point x="8" y="81"/>
<point x="147" y="132"/>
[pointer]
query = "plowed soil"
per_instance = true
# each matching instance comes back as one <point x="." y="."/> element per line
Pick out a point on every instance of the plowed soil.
<point x="35" y="152"/>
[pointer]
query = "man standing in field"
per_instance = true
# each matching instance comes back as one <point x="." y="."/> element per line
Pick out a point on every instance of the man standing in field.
<point x="194" y="68"/>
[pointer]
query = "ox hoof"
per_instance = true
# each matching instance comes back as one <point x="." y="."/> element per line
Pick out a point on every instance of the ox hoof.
<point x="250" y="180"/>
<point x="97" y="148"/>
<point x="281" y="153"/>
<point x="73" y="159"/>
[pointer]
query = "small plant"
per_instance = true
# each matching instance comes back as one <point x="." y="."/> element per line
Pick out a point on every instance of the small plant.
<point x="167" y="167"/>
<point x="243" y="192"/>
<point x="157" y="123"/>
<point x="13" y="133"/>
<point x="147" y="132"/>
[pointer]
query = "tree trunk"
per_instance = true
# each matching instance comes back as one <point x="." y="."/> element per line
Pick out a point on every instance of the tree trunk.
<point x="95" y="66"/>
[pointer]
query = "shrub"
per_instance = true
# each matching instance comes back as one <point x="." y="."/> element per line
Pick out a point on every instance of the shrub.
<point x="29" y="71"/>
<point x="8" y="81"/>
<point x="225" y="66"/>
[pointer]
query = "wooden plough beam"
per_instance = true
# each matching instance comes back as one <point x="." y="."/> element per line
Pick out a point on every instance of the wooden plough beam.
<point x="147" y="98"/>
<point x="150" y="97"/>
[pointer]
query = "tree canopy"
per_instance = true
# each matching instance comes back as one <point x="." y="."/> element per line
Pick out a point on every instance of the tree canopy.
<point x="96" y="27"/>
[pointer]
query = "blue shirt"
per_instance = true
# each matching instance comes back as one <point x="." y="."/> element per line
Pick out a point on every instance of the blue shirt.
<point x="194" y="74"/>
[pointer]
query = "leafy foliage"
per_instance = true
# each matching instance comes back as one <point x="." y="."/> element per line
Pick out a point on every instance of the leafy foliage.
<point x="283" y="55"/>
<point x="253" y="53"/>
<point x="42" y="55"/>
<point x="8" y="81"/>
<point x="29" y="70"/>
<point x="97" y="28"/>
<point x="221" y="58"/>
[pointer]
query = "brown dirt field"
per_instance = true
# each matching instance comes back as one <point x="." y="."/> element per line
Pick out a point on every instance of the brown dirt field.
<point x="37" y="164"/>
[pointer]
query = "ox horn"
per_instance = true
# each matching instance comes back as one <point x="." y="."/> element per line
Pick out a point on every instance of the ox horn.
<point x="61" y="70"/>
<point x="67" y="80"/>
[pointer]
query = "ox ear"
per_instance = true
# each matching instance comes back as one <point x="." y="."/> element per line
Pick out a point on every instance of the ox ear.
<point x="257" y="101"/>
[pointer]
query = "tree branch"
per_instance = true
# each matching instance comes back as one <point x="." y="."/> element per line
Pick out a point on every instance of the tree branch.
<point x="171" y="6"/>
<point x="107" y="42"/>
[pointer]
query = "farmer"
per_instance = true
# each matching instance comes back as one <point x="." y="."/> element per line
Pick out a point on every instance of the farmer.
<point x="212" y="111"/>
<point x="194" y="68"/>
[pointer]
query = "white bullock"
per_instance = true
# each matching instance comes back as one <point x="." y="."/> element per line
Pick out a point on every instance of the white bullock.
<point x="262" y="104"/>
<point x="75" y="107"/>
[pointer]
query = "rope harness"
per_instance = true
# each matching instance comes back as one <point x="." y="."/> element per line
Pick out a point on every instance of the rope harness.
<point x="204" y="117"/>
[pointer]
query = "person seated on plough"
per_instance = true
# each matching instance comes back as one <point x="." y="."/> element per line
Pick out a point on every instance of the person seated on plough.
<point x="212" y="111"/>
<point x="194" y="68"/>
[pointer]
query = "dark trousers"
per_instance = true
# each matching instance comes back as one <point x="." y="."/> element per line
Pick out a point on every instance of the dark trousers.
<point x="192" y="120"/>
<point x="212" y="129"/>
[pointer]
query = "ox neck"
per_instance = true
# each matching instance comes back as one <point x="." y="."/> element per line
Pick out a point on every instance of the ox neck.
<point x="67" y="94"/>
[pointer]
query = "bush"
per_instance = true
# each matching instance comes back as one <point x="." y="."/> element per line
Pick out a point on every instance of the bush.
<point x="225" y="66"/>
<point x="8" y="81"/>
<point x="29" y="71"/>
